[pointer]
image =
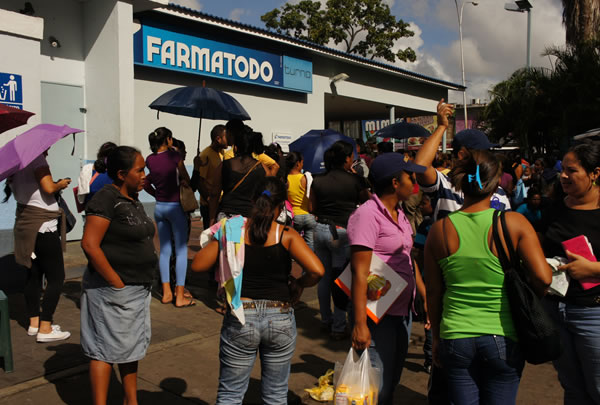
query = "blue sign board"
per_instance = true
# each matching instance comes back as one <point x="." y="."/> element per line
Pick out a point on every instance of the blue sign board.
<point x="11" y="90"/>
<point x="167" y="49"/>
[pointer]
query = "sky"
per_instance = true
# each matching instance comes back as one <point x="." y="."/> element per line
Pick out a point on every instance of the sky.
<point x="494" y="40"/>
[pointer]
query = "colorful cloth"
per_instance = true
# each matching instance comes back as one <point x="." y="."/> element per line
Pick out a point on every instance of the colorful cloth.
<point x="230" y="235"/>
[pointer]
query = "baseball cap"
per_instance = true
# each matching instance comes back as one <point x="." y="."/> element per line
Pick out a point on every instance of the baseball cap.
<point x="388" y="164"/>
<point x="472" y="139"/>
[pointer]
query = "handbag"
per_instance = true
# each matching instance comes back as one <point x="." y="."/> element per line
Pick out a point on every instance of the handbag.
<point x="538" y="336"/>
<point x="187" y="198"/>
<point x="70" y="218"/>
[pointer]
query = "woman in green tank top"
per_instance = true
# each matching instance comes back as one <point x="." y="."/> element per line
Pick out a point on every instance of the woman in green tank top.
<point x="474" y="338"/>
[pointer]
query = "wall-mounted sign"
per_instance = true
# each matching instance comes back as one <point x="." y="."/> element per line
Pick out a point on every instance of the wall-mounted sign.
<point x="168" y="49"/>
<point x="283" y="139"/>
<point x="11" y="90"/>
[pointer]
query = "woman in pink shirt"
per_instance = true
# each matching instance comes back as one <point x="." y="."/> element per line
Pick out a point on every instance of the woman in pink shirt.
<point x="379" y="227"/>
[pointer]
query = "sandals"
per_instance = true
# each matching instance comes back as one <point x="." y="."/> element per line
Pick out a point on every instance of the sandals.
<point x="190" y="303"/>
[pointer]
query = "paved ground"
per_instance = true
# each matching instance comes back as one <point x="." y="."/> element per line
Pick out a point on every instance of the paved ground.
<point x="182" y="363"/>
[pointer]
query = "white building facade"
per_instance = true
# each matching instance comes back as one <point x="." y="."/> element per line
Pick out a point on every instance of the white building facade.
<point x="98" y="64"/>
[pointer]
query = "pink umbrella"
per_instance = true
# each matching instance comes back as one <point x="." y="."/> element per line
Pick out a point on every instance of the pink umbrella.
<point x="11" y="117"/>
<point x="22" y="150"/>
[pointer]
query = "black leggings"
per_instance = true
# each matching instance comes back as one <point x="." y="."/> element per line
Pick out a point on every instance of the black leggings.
<point x="48" y="262"/>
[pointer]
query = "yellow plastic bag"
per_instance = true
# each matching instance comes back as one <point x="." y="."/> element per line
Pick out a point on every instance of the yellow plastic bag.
<point x="324" y="391"/>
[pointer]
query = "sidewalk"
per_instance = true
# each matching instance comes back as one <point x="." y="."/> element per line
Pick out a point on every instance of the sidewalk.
<point x="182" y="363"/>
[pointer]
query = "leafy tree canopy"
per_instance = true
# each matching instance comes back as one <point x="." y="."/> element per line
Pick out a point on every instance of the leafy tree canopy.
<point x="366" y="27"/>
<point x="544" y="108"/>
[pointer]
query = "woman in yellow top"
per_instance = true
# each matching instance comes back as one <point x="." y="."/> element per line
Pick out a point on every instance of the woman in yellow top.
<point x="304" y="221"/>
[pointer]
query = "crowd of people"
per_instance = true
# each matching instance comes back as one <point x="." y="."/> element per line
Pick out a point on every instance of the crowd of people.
<point x="426" y="215"/>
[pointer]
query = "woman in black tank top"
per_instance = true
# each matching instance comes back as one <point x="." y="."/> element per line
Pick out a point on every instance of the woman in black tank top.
<point x="267" y="293"/>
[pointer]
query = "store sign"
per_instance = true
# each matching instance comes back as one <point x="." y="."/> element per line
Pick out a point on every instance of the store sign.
<point x="11" y="90"/>
<point x="164" y="49"/>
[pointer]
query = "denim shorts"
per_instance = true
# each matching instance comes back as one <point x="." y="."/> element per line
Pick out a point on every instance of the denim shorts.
<point x="115" y="322"/>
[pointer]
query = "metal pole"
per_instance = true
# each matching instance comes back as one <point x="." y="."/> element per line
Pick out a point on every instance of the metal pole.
<point x="392" y="120"/>
<point x="462" y="58"/>
<point x="528" y="38"/>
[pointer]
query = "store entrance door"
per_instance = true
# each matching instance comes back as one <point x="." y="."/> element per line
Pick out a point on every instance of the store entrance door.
<point x="61" y="106"/>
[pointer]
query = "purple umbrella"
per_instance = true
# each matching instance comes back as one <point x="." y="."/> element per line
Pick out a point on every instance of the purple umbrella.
<point x="22" y="150"/>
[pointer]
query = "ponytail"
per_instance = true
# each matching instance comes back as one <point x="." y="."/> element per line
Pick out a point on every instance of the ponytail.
<point x="477" y="175"/>
<point x="103" y="152"/>
<point x="269" y="194"/>
<point x="158" y="137"/>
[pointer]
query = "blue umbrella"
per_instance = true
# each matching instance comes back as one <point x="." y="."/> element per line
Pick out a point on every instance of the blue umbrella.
<point x="313" y="144"/>
<point x="403" y="130"/>
<point x="200" y="102"/>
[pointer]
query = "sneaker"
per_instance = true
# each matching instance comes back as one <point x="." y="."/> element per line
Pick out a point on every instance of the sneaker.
<point x="33" y="331"/>
<point x="427" y="367"/>
<point x="53" y="336"/>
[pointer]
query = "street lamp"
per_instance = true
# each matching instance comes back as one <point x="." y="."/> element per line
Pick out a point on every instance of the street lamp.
<point x="521" y="6"/>
<point x="459" y="12"/>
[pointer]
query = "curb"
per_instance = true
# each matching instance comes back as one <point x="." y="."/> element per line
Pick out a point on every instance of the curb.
<point x="83" y="368"/>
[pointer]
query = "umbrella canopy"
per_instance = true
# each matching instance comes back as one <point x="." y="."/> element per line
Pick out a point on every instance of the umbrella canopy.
<point x="11" y="117"/>
<point x="403" y="130"/>
<point x="313" y="144"/>
<point x="200" y="102"/>
<point x="22" y="150"/>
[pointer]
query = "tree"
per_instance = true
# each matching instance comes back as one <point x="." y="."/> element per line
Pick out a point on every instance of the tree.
<point x="544" y="108"/>
<point x="581" y="19"/>
<point x="366" y="27"/>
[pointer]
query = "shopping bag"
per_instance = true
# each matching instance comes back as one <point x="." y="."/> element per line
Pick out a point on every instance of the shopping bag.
<point x="358" y="382"/>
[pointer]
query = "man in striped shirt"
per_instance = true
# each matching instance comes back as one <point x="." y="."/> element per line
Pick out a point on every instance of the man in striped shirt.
<point x="438" y="185"/>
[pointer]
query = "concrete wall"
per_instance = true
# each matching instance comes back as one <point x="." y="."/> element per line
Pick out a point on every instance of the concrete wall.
<point x="271" y="110"/>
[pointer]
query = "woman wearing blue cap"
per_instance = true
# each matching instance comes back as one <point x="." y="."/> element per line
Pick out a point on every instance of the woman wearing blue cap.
<point x="379" y="227"/>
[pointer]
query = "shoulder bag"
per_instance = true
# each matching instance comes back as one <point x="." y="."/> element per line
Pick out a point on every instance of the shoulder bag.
<point x="244" y="178"/>
<point x="538" y="336"/>
<point x="187" y="198"/>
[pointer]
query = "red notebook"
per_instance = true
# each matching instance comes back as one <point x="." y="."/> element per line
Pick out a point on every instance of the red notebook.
<point x="582" y="247"/>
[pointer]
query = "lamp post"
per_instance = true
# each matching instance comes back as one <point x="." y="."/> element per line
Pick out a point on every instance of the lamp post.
<point x="459" y="12"/>
<point x="521" y="6"/>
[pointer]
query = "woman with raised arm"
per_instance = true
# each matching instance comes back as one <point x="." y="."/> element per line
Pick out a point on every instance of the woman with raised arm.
<point x="474" y="338"/>
<point x="260" y="316"/>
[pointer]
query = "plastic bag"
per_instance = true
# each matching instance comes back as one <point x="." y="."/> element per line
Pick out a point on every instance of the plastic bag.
<point x="324" y="390"/>
<point x="358" y="382"/>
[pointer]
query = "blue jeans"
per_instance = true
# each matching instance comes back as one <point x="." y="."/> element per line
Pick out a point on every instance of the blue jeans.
<point x="171" y="221"/>
<point x="485" y="369"/>
<point x="389" y="345"/>
<point x="334" y="254"/>
<point x="272" y="333"/>
<point x="579" y="365"/>
<point x="306" y="223"/>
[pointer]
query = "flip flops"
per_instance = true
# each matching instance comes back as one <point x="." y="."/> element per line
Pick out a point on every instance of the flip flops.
<point x="191" y="303"/>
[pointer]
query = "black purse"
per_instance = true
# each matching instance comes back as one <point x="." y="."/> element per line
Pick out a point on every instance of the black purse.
<point x="71" y="220"/>
<point x="538" y="336"/>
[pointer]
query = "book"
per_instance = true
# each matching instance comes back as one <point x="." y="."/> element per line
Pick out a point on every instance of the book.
<point x="386" y="286"/>
<point x="580" y="245"/>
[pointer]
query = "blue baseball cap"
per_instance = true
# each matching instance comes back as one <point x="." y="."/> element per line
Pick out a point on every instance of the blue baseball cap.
<point x="472" y="139"/>
<point x="391" y="163"/>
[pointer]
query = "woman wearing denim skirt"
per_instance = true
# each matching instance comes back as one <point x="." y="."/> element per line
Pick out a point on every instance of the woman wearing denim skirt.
<point x="115" y="302"/>
<point x="474" y="337"/>
<point x="260" y="318"/>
